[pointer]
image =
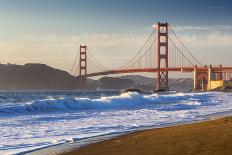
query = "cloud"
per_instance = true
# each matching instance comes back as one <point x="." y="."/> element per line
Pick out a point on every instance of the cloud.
<point x="203" y="29"/>
<point x="220" y="35"/>
<point x="59" y="50"/>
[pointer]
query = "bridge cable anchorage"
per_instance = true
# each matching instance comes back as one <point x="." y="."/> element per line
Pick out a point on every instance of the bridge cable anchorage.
<point x="140" y="50"/>
<point x="75" y="60"/>
<point x="148" y="50"/>
<point x="97" y="63"/>
<point x="181" y="54"/>
<point x="197" y="60"/>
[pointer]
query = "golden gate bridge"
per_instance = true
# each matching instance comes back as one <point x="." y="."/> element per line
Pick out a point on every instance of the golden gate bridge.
<point x="162" y="52"/>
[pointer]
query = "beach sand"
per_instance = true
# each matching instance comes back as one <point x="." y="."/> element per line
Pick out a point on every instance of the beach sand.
<point x="213" y="137"/>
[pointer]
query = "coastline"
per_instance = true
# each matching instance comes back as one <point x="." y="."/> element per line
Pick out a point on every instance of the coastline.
<point x="213" y="136"/>
<point x="75" y="144"/>
<point x="73" y="147"/>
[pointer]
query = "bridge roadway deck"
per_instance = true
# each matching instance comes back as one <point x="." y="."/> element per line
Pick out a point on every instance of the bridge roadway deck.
<point x="153" y="70"/>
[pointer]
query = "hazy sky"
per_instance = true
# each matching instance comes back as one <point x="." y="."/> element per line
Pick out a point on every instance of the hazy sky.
<point x="50" y="31"/>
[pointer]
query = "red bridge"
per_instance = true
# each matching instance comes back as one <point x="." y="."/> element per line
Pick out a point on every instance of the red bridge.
<point x="162" y="52"/>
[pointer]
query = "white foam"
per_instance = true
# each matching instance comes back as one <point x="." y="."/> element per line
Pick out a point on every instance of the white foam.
<point x="57" y="120"/>
<point x="121" y="101"/>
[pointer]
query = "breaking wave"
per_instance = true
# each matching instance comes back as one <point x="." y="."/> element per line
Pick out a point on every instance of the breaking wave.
<point x="124" y="100"/>
<point x="30" y="120"/>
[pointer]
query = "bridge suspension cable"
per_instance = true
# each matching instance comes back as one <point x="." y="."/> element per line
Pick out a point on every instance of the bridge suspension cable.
<point x="95" y="61"/>
<point x="147" y="56"/>
<point x="181" y="53"/>
<point x="147" y="51"/>
<point x="140" y="50"/>
<point x="74" y="67"/>
<point x="196" y="61"/>
<point x="77" y="70"/>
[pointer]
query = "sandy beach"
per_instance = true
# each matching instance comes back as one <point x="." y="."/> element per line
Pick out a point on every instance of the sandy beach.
<point x="209" y="137"/>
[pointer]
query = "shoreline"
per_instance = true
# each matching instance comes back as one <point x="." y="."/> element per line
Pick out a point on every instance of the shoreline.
<point x="76" y="144"/>
<point x="205" y="137"/>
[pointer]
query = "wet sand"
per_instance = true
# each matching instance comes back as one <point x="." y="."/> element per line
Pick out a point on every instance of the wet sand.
<point x="212" y="137"/>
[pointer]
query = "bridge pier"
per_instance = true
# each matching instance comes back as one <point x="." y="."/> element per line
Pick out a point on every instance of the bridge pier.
<point x="207" y="78"/>
<point x="210" y="77"/>
<point x="82" y="83"/>
<point x="201" y="78"/>
<point x="219" y="73"/>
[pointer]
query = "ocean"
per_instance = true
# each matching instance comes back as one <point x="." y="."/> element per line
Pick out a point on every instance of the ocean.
<point x="36" y="119"/>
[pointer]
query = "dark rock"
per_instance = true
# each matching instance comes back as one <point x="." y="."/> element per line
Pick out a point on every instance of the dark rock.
<point x="133" y="90"/>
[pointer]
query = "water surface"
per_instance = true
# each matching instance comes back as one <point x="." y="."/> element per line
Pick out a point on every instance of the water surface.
<point x="33" y="119"/>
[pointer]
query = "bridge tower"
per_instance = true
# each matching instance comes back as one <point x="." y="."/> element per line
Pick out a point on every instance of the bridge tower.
<point x="82" y="67"/>
<point x="162" y="56"/>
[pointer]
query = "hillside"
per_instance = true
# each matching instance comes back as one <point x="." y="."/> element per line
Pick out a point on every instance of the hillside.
<point x="43" y="77"/>
<point x="34" y="76"/>
<point x="145" y="83"/>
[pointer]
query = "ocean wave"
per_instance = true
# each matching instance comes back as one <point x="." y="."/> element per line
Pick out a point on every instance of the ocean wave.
<point x="49" y="120"/>
<point x="124" y="100"/>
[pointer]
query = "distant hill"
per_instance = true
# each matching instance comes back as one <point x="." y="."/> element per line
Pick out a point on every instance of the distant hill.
<point x="145" y="83"/>
<point x="115" y="83"/>
<point x="34" y="76"/>
<point x="43" y="77"/>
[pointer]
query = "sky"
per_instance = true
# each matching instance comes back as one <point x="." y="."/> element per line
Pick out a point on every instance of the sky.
<point x="50" y="31"/>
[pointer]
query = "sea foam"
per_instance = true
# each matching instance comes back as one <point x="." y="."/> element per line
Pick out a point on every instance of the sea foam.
<point x="52" y="118"/>
<point x="124" y="100"/>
